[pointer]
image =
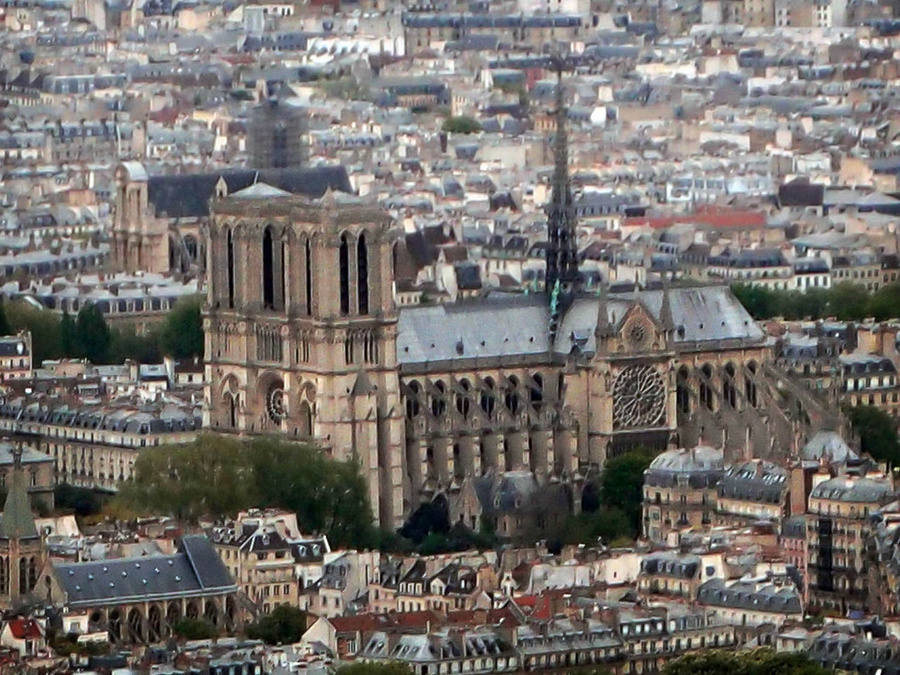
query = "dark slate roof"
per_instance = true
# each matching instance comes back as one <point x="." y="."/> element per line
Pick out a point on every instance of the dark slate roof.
<point x="188" y="195"/>
<point x="13" y="346"/>
<point x="194" y="571"/>
<point x="755" y="481"/>
<point x="746" y="595"/>
<point x="671" y="565"/>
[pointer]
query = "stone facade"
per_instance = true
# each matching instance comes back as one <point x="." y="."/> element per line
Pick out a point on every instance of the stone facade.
<point x="304" y="339"/>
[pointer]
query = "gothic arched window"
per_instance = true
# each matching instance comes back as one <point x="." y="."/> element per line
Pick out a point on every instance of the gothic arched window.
<point x="229" y="263"/>
<point x="487" y="397"/>
<point x="309" y="278"/>
<point x="344" y="263"/>
<point x="729" y="393"/>
<point x="706" y="395"/>
<point x="683" y="391"/>
<point x="268" y="270"/>
<point x="750" y="384"/>
<point x="362" y="274"/>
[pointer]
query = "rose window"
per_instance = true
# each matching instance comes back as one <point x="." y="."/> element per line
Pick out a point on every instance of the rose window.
<point x="275" y="403"/>
<point x="639" y="398"/>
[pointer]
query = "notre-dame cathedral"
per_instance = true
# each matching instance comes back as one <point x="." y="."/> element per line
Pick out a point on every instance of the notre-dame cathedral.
<point x="474" y="400"/>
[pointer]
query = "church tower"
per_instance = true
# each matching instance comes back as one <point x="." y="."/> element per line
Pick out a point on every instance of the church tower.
<point x="301" y="330"/>
<point x="21" y="548"/>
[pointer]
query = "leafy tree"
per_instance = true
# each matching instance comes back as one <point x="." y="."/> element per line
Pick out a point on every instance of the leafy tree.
<point x="92" y="336"/>
<point x="284" y="625"/>
<point x="126" y="344"/>
<point x="461" y="125"/>
<point x="885" y="303"/>
<point x="67" y="334"/>
<point x="82" y="501"/>
<point x="622" y="484"/>
<point x="756" y="662"/>
<point x="5" y="328"/>
<point x="220" y="476"/>
<point x="848" y="301"/>
<point x="43" y="325"/>
<point x="194" y="629"/>
<point x="182" y="333"/>
<point x="758" y="301"/>
<point x="375" y="668"/>
<point x="610" y="525"/>
<point x="877" y="432"/>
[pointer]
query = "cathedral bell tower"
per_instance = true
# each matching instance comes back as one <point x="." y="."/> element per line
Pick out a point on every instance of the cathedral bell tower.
<point x="301" y="329"/>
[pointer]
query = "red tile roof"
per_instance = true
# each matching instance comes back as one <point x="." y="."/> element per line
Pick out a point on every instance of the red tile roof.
<point x="717" y="218"/>
<point x="25" y="629"/>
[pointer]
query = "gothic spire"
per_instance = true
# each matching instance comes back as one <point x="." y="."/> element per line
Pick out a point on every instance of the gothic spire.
<point x="603" y="329"/>
<point x="562" y="254"/>
<point x="17" y="521"/>
<point x="665" y="312"/>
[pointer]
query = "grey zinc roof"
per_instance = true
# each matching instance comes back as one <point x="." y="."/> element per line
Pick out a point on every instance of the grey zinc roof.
<point x="746" y="595"/>
<point x="495" y="327"/>
<point x="194" y="571"/>
<point x="516" y="325"/>
<point x="705" y="313"/>
<point x="828" y="445"/>
<point x="860" y="490"/>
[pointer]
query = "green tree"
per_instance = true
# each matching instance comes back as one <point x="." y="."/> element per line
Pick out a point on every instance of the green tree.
<point x="757" y="300"/>
<point x="92" y="335"/>
<point x="43" y="325"/>
<point x="885" y="303"/>
<point x="220" y="476"/>
<point x="622" y="484"/>
<point x="375" y="668"/>
<point x="81" y="501"/>
<point x="284" y="625"/>
<point x="194" y="629"/>
<point x="5" y="328"/>
<point x="848" y="301"/>
<point x="877" y="432"/>
<point x="126" y="344"/>
<point x="756" y="662"/>
<point x="67" y="335"/>
<point x="182" y="332"/>
<point x="461" y="125"/>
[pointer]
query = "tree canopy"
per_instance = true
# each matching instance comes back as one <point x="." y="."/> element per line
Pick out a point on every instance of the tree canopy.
<point x="877" y="432"/>
<point x="92" y="335"/>
<point x="461" y="125"/>
<point x="756" y="662"/>
<point x="88" y="335"/>
<point x="845" y="301"/>
<point x="220" y="476"/>
<point x="611" y="506"/>
<point x="284" y="625"/>
<point x="194" y="629"/>
<point x="5" y="328"/>
<point x="182" y="333"/>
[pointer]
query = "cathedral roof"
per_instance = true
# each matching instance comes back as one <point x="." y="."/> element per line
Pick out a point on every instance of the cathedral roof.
<point x="260" y="191"/>
<point x="505" y="325"/>
<point x="188" y="195"/>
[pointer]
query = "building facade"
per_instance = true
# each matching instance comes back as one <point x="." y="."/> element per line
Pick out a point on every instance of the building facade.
<point x="304" y="339"/>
